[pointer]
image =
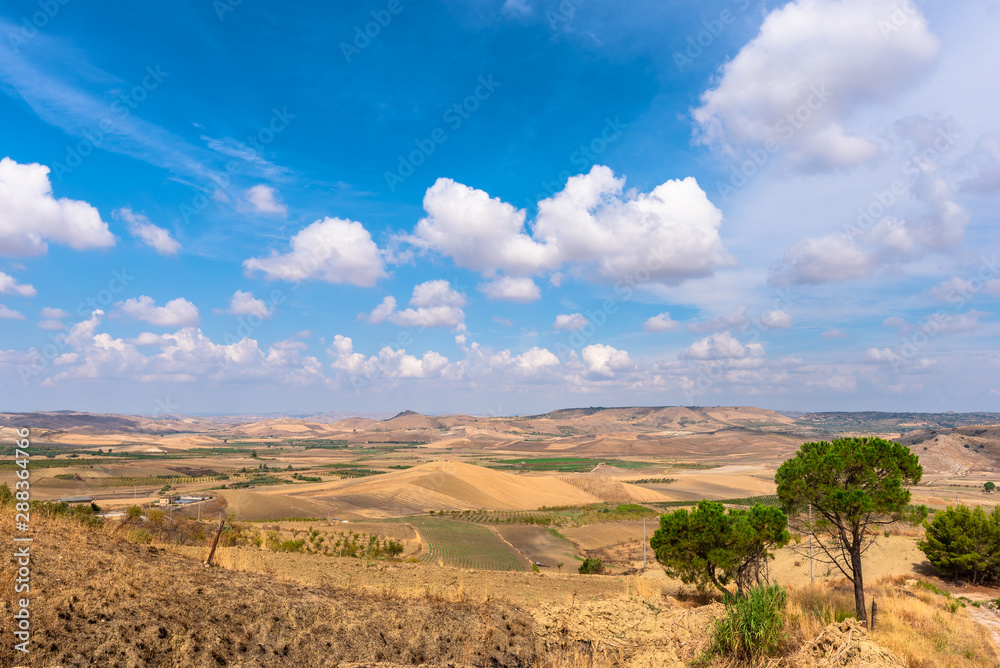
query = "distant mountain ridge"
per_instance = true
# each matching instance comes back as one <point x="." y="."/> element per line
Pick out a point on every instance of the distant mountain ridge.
<point x="565" y="421"/>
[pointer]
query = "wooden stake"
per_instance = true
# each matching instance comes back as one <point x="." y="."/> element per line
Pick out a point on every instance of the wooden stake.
<point x="874" y="613"/>
<point x="215" y="542"/>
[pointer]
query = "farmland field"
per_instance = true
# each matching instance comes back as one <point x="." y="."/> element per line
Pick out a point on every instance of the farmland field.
<point x="596" y="536"/>
<point x="562" y="464"/>
<point x="466" y="545"/>
<point x="541" y="545"/>
<point x="762" y="499"/>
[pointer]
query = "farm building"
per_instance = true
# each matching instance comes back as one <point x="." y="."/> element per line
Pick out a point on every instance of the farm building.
<point x="75" y="499"/>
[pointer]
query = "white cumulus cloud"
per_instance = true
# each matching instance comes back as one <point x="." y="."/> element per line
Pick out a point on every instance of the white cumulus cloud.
<point x="814" y="63"/>
<point x="175" y="313"/>
<point x="776" y="320"/>
<point x="389" y="363"/>
<point x="244" y="303"/>
<point x="607" y="361"/>
<point x="722" y="346"/>
<point x="264" y="199"/>
<point x="331" y="250"/>
<point x="663" y="236"/>
<point x="30" y="215"/>
<point x="10" y="286"/>
<point x="661" y="323"/>
<point x="570" y="322"/>
<point x="7" y="313"/>
<point x="435" y="304"/>
<point x="508" y="288"/>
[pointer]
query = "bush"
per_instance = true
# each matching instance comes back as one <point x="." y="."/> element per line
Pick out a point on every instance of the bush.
<point x="591" y="567"/>
<point x="964" y="542"/>
<point x="140" y="536"/>
<point x="292" y="545"/>
<point x="753" y="627"/>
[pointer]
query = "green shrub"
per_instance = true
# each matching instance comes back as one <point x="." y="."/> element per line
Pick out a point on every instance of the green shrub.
<point x="753" y="627"/>
<point x="292" y="545"/>
<point x="140" y="536"/>
<point x="591" y="566"/>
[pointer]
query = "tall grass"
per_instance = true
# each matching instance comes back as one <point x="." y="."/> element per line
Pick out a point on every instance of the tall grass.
<point x="753" y="627"/>
<point x="920" y="623"/>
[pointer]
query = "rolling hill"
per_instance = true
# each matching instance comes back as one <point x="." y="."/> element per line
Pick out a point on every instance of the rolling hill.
<point x="449" y="485"/>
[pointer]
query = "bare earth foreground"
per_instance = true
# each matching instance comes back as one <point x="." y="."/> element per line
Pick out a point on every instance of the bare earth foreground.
<point x="99" y="600"/>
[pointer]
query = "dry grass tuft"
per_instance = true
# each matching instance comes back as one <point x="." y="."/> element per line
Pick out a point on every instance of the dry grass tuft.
<point x="922" y="628"/>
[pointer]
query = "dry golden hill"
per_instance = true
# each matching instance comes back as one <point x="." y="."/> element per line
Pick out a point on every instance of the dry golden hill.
<point x="412" y="420"/>
<point x="356" y="424"/>
<point x="448" y="485"/>
<point x="960" y="451"/>
<point x="105" y="423"/>
<point x="282" y="428"/>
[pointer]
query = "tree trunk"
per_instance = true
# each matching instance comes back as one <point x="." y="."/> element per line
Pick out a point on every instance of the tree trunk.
<point x="859" y="584"/>
<point x="718" y="585"/>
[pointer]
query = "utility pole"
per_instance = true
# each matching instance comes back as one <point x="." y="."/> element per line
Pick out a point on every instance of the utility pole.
<point x="812" y="577"/>
<point x="644" y="543"/>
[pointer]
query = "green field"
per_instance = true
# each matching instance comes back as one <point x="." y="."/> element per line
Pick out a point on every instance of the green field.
<point x="466" y="545"/>
<point x="562" y="464"/>
<point x="566" y="516"/>
<point x="764" y="500"/>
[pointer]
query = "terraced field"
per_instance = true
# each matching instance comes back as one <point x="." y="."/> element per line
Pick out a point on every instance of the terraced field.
<point x="466" y="545"/>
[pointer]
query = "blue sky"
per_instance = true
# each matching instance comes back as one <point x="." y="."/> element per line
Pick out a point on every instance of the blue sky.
<point x="499" y="206"/>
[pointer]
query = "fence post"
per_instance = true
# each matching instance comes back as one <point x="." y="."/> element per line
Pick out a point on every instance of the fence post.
<point x="215" y="543"/>
<point x="874" y="614"/>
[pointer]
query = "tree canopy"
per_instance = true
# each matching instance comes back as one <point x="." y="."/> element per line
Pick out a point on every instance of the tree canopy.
<point x="965" y="542"/>
<point x="851" y="485"/>
<point x="710" y="546"/>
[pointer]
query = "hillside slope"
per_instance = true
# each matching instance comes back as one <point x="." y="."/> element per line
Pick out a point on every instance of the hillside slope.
<point x="119" y="604"/>
<point x="448" y="485"/>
